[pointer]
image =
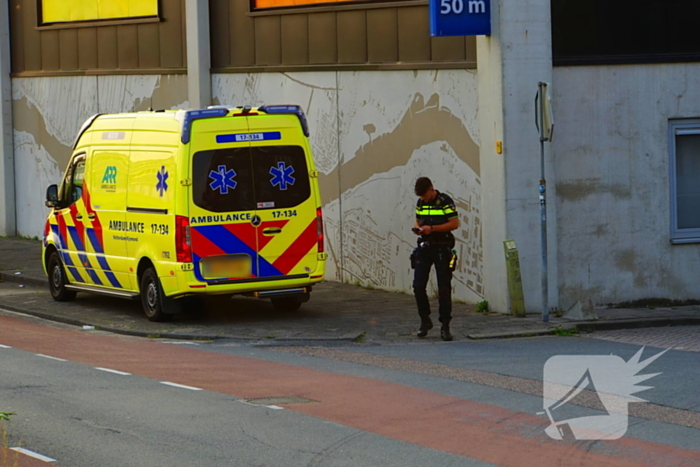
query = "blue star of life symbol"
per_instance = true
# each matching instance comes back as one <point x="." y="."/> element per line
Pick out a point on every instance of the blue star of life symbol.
<point x="162" y="186"/>
<point x="282" y="175"/>
<point x="223" y="179"/>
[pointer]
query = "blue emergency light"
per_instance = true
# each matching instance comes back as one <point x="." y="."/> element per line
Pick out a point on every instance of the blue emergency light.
<point x="288" y="109"/>
<point x="192" y="115"/>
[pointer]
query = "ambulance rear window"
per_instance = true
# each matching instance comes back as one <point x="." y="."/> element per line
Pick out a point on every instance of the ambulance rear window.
<point x="246" y="179"/>
<point x="222" y="180"/>
<point x="281" y="176"/>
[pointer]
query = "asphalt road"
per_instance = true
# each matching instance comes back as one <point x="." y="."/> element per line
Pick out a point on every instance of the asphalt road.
<point x="461" y="403"/>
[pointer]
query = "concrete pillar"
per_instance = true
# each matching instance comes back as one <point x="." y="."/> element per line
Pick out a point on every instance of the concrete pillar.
<point x="198" y="54"/>
<point x="511" y="62"/>
<point x="8" y="221"/>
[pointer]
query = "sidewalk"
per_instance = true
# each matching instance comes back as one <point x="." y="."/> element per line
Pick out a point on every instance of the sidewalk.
<point x="336" y="312"/>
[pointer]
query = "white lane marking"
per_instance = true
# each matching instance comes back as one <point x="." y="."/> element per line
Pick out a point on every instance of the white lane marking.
<point x="33" y="454"/>
<point x="181" y="343"/>
<point x="274" y="407"/>
<point x="5" y="346"/>
<point x="52" y="358"/>
<point x="113" y="371"/>
<point x="175" y="385"/>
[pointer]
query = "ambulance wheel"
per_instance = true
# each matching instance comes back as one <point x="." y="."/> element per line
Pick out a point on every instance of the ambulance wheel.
<point x="286" y="304"/>
<point x="57" y="280"/>
<point x="156" y="305"/>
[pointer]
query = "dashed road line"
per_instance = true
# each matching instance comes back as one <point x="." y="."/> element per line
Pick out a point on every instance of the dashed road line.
<point x="273" y="407"/>
<point x="5" y="346"/>
<point x="182" y="386"/>
<point x="116" y="372"/>
<point x="50" y="357"/>
<point x="33" y="454"/>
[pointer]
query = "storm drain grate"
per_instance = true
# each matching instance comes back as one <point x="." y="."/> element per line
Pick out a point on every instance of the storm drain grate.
<point x="282" y="400"/>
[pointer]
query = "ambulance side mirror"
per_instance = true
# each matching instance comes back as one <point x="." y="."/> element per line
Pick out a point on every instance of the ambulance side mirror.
<point x="52" y="196"/>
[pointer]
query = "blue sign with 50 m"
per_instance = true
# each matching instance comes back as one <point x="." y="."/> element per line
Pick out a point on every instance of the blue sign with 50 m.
<point x="460" y="17"/>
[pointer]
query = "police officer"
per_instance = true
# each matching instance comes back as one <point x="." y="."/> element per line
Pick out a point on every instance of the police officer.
<point x="436" y="218"/>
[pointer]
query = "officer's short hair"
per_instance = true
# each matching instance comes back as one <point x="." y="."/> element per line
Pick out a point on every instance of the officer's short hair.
<point x="423" y="184"/>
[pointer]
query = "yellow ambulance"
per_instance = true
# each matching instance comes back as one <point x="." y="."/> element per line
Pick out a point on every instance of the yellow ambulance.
<point x="165" y="205"/>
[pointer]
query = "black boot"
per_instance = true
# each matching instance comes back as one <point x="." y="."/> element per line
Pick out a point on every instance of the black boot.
<point x="445" y="333"/>
<point x="425" y="326"/>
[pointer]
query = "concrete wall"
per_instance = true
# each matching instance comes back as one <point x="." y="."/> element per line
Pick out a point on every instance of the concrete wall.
<point x="612" y="167"/>
<point x="511" y="63"/>
<point x="373" y="134"/>
<point x="7" y="182"/>
<point x="48" y="112"/>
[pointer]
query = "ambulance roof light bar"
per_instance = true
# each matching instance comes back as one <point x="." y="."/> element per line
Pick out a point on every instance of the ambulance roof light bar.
<point x="186" y="117"/>
<point x="288" y="109"/>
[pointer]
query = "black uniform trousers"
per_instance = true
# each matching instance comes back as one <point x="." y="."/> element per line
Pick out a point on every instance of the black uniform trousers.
<point x="425" y="258"/>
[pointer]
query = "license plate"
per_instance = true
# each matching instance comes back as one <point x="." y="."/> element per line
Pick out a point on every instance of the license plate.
<point x="226" y="267"/>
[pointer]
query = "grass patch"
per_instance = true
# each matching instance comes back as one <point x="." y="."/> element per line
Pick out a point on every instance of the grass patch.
<point x="361" y="338"/>
<point x="565" y="332"/>
<point x="482" y="306"/>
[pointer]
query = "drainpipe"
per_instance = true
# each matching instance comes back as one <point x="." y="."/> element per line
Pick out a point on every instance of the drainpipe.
<point x="8" y="219"/>
<point x="198" y="54"/>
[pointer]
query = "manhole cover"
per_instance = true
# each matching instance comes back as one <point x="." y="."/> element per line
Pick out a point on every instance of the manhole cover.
<point x="283" y="400"/>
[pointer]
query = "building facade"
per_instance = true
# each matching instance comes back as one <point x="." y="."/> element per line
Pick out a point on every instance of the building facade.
<point x="387" y="103"/>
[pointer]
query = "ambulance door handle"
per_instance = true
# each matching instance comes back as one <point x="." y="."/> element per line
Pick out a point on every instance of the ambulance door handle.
<point x="273" y="231"/>
<point x="91" y="215"/>
<point x="79" y="217"/>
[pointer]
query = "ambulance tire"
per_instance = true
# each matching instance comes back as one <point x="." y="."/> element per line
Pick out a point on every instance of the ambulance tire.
<point x="286" y="304"/>
<point x="156" y="305"/>
<point x="57" y="280"/>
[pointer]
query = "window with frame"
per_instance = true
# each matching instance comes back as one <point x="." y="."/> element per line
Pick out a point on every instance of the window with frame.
<point x="624" y="31"/>
<point x="72" y="189"/>
<point x="684" y="136"/>
<point x="63" y="11"/>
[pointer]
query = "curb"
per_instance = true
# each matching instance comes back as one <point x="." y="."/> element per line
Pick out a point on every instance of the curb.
<point x="508" y="335"/>
<point x="22" y="279"/>
<point x="636" y="323"/>
<point x="166" y="334"/>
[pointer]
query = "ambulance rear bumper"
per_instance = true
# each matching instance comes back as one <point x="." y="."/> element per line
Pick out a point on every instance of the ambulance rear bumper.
<point x="263" y="287"/>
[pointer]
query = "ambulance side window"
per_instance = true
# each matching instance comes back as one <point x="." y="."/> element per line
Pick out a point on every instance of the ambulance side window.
<point x="73" y="184"/>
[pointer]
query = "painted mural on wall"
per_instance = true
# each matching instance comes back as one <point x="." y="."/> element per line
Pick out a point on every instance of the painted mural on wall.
<point x="47" y="114"/>
<point x="373" y="134"/>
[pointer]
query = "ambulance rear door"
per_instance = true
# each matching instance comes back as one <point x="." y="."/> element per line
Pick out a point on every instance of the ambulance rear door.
<point x="286" y="205"/>
<point x="222" y="201"/>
